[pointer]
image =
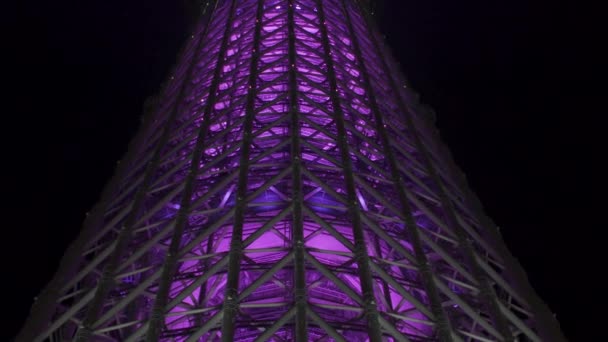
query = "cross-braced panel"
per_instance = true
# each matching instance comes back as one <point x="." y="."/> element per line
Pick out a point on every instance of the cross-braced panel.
<point x="287" y="188"/>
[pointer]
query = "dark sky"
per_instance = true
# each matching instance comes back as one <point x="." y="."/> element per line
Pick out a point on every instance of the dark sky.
<point x="514" y="85"/>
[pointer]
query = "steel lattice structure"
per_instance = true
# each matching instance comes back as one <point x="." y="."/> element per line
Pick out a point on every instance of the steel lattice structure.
<point x="288" y="186"/>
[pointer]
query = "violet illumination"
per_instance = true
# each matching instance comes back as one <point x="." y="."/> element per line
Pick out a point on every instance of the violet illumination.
<point x="288" y="186"/>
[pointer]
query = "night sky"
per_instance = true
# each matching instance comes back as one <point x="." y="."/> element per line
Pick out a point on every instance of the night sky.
<point x="514" y="85"/>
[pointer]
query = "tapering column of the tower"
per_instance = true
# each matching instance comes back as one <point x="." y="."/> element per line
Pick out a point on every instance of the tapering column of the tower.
<point x="287" y="188"/>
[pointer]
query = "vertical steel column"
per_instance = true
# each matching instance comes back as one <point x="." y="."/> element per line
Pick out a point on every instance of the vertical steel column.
<point x="107" y="280"/>
<point x="301" y="331"/>
<point x="170" y="263"/>
<point x="385" y="288"/>
<point x="46" y="301"/>
<point x="42" y="309"/>
<point x="236" y="244"/>
<point x="547" y="326"/>
<point x="444" y="329"/>
<point x="486" y="291"/>
<point x="365" y="274"/>
<point x="202" y="290"/>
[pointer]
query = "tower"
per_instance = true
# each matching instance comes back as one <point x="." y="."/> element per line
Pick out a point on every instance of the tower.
<point x="288" y="186"/>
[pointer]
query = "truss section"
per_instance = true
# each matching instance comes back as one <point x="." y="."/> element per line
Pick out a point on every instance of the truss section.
<point x="287" y="187"/>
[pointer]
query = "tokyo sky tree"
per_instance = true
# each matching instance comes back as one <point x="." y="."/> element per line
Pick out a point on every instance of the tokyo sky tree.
<point x="288" y="186"/>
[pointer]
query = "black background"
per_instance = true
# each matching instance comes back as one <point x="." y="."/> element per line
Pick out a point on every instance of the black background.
<point x="515" y="84"/>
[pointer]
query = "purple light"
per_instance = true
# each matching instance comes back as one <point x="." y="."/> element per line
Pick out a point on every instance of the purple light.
<point x="324" y="203"/>
<point x="283" y="179"/>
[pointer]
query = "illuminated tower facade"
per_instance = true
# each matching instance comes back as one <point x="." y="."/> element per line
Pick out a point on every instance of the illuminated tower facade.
<point x="288" y="186"/>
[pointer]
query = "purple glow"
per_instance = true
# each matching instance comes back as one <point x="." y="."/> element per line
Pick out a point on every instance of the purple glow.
<point x="215" y="97"/>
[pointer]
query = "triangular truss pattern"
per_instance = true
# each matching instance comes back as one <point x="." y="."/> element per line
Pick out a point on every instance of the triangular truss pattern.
<point x="287" y="186"/>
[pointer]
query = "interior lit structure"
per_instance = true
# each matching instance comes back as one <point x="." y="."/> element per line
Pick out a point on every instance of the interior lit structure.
<point x="288" y="186"/>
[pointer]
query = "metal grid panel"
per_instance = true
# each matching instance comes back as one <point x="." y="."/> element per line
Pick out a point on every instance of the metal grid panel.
<point x="287" y="188"/>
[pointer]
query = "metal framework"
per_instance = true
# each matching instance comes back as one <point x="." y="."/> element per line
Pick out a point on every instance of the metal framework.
<point x="288" y="186"/>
